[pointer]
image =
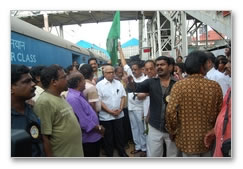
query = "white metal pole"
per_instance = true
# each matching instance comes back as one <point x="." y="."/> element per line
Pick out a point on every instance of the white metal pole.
<point x="184" y="34"/>
<point x="173" y="39"/>
<point x="154" y="43"/>
<point x="159" y="34"/>
<point x="46" y="24"/>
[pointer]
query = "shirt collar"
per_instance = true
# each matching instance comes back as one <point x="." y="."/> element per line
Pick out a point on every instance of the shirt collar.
<point x="75" y="92"/>
<point x="140" y="77"/>
<point x="172" y="78"/>
<point x="39" y="88"/>
<point x="89" y="81"/>
<point x="27" y="108"/>
<point x="211" y="71"/>
<point x="196" y="76"/>
<point x="106" y="81"/>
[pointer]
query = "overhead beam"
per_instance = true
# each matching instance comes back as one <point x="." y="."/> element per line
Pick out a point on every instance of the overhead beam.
<point x="92" y="16"/>
<point x="216" y="21"/>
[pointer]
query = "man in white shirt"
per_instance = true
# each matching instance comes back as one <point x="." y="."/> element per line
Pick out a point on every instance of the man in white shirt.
<point x="135" y="106"/>
<point x="214" y="74"/>
<point x="112" y="95"/>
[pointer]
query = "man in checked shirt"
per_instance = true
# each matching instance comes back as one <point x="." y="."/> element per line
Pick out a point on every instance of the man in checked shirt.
<point x="193" y="107"/>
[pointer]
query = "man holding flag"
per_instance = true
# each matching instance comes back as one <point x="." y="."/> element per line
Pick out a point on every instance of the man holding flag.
<point x="112" y="39"/>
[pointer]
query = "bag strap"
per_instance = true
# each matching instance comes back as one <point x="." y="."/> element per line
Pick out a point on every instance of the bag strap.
<point x="226" y="118"/>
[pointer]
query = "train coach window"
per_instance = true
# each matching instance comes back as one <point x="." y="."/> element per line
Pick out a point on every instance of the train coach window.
<point x="75" y="58"/>
<point x="84" y="59"/>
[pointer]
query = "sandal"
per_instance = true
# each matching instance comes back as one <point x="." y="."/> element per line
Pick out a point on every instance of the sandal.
<point x="143" y="154"/>
<point x="135" y="151"/>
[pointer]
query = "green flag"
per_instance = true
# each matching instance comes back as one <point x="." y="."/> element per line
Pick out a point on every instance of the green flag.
<point x="112" y="39"/>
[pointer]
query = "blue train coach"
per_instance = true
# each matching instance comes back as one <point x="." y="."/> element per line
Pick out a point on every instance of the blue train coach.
<point x="33" y="46"/>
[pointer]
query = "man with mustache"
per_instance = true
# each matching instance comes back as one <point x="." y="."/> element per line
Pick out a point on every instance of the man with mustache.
<point x="22" y="115"/>
<point x="159" y="90"/>
<point x="135" y="105"/>
<point x="62" y="135"/>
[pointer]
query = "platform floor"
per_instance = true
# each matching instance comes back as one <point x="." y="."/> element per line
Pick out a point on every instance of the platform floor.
<point x="130" y="147"/>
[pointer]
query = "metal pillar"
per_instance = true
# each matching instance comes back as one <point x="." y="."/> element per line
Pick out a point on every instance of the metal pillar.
<point x="184" y="45"/>
<point x="196" y="36"/>
<point x="61" y="31"/>
<point x="173" y="47"/>
<point x="154" y="42"/>
<point x="172" y="34"/>
<point x="46" y="24"/>
<point x="206" y="30"/>
<point x="140" y="32"/>
<point x="159" y="33"/>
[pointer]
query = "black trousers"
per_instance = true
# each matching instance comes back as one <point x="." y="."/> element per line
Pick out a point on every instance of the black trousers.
<point x="127" y="127"/>
<point x="113" y="133"/>
<point x="92" y="149"/>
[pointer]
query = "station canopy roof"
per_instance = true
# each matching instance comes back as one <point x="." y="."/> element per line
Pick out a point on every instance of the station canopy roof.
<point x="81" y="17"/>
<point x="131" y="42"/>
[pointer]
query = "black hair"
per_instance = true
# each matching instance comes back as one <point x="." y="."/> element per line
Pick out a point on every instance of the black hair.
<point x="165" y="58"/>
<point x="70" y="68"/>
<point x="73" y="82"/>
<point x="118" y="67"/>
<point x="149" y="61"/>
<point x="181" y="66"/>
<point x="217" y="62"/>
<point x="179" y="57"/>
<point x="17" y="71"/>
<point x="139" y="63"/>
<point x="35" y="71"/>
<point x="211" y="56"/>
<point x="194" y="61"/>
<point x="48" y="74"/>
<point x="86" y="70"/>
<point x="92" y="59"/>
<point x="221" y="56"/>
<point x="106" y="64"/>
<point x="172" y="60"/>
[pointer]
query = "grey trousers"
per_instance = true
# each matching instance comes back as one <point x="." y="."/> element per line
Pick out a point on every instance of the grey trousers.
<point x="155" y="141"/>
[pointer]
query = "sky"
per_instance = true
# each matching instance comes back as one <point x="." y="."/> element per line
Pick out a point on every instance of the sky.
<point x="97" y="33"/>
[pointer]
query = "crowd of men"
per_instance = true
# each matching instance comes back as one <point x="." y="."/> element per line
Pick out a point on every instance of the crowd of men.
<point x="167" y="108"/>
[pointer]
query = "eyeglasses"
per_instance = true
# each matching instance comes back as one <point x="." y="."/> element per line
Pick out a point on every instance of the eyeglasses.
<point x="109" y="72"/>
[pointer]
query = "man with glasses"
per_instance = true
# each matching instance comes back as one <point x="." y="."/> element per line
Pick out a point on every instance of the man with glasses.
<point x="62" y="135"/>
<point x="112" y="95"/>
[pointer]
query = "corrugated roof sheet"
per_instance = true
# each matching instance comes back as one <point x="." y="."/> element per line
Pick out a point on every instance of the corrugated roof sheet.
<point x="132" y="42"/>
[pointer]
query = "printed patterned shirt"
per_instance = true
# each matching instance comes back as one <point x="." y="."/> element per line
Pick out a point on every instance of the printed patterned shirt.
<point x="192" y="111"/>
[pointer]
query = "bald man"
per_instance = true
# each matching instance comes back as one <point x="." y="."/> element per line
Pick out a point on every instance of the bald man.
<point x="112" y="95"/>
<point x="88" y="120"/>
